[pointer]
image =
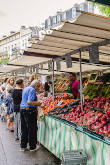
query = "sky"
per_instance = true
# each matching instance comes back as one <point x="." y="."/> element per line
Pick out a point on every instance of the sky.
<point x="15" y="13"/>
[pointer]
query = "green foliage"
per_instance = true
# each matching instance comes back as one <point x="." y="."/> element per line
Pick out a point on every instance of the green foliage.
<point x="105" y="10"/>
<point x="6" y="60"/>
<point x="95" y="90"/>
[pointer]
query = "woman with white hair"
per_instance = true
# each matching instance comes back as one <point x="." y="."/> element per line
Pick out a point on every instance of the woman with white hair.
<point x="28" y="110"/>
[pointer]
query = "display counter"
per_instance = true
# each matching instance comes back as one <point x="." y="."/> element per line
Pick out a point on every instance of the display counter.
<point x="58" y="135"/>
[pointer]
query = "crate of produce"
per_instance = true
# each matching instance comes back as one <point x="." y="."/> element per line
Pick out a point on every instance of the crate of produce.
<point x="75" y="157"/>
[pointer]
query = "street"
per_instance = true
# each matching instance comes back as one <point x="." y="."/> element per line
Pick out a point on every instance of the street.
<point x="10" y="152"/>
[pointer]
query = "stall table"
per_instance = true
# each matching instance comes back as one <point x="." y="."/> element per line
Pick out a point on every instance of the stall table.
<point x="57" y="136"/>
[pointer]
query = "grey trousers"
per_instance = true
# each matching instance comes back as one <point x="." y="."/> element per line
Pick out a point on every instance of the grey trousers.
<point x="17" y="127"/>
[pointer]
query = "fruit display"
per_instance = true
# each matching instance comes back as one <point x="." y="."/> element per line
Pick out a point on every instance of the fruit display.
<point x="64" y="96"/>
<point x="95" y="121"/>
<point x="56" y="104"/>
<point x="61" y="84"/>
<point x="97" y="89"/>
<point x="48" y="100"/>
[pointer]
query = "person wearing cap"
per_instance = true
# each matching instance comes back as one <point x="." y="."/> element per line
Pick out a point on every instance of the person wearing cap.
<point x="28" y="110"/>
<point x="73" y="87"/>
<point x="17" y="97"/>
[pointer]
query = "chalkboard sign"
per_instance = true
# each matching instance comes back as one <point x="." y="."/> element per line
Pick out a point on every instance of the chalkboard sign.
<point x="68" y="61"/>
<point x="50" y="66"/>
<point x="41" y="66"/>
<point x="58" y="65"/>
<point x="94" y="54"/>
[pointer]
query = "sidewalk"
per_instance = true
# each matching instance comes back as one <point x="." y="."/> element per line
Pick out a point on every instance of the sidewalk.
<point x="10" y="154"/>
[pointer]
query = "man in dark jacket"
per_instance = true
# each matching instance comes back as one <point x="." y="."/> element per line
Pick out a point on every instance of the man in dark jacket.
<point x="48" y="86"/>
<point x="17" y="97"/>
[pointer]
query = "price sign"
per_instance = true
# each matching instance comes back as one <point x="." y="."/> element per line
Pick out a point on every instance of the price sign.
<point x="50" y="66"/>
<point x="68" y="61"/>
<point x="94" y="54"/>
<point x="37" y="68"/>
<point x="58" y="65"/>
<point x="41" y="66"/>
<point x="60" y="103"/>
<point x="80" y="128"/>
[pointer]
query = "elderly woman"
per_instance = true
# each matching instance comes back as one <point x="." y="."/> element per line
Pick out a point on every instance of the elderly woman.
<point x="28" y="110"/>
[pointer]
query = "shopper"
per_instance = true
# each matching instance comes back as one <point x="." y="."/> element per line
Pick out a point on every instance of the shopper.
<point x="5" y="82"/>
<point x="10" y="115"/>
<point x="73" y="87"/>
<point x="17" y="97"/>
<point x="29" y="116"/>
<point x="10" y="84"/>
<point x="48" y="87"/>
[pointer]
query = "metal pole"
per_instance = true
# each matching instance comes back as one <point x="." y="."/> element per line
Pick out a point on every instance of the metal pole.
<point x="53" y="92"/>
<point x="81" y="86"/>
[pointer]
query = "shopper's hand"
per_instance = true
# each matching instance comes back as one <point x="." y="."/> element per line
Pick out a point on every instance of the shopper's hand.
<point x="39" y="103"/>
<point x="42" y="107"/>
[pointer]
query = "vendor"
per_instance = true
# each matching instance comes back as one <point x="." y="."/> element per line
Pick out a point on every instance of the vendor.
<point x="73" y="87"/>
<point x="48" y="87"/>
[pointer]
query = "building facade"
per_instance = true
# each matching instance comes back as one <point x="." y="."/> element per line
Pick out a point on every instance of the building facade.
<point x="17" y="42"/>
<point x="69" y="15"/>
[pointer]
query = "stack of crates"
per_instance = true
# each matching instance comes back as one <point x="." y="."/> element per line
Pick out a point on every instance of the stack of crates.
<point x="75" y="157"/>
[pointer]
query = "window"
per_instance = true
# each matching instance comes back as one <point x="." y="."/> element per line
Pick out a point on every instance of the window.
<point x="46" y="23"/>
<point x="23" y="43"/>
<point x="54" y="20"/>
<point x="49" y="22"/>
<point x="58" y="18"/>
<point x="69" y="14"/>
<point x="64" y="16"/>
<point x="73" y="12"/>
<point x="82" y="7"/>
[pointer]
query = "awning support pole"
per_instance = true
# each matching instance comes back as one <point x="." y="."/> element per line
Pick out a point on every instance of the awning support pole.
<point x="53" y="92"/>
<point x="81" y="86"/>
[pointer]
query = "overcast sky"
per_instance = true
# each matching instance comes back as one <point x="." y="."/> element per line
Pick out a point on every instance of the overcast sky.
<point x="15" y="13"/>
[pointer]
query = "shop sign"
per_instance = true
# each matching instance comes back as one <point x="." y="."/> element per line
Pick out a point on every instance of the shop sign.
<point x="50" y="66"/>
<point x="58" y="65"/>
<point x="41" y="66"/>
<point x="94" y="54"/>
<point x="68" y="61"/>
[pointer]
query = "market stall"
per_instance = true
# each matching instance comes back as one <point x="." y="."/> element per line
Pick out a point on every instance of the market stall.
<point x="58" y="136"/>
<point x="69" y="124"/>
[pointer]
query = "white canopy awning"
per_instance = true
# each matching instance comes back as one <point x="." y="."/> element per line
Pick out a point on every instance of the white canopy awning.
<point x="88" y="29"/>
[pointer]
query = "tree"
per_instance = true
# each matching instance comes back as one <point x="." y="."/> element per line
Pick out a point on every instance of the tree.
<point x="104" y="9"/>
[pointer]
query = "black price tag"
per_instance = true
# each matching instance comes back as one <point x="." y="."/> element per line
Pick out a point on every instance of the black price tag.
<point x="94" y="54"/>
<point x="58" y="65"/>
<point x="50" y="66"/>
<point x="68" y="61"/>
<point x="41" y="66"/>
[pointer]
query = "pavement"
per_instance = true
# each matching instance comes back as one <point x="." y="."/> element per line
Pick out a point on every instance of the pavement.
<point x="10" y="152"/>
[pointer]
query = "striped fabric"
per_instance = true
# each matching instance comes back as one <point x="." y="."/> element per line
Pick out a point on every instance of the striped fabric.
<point x="57" y="137"/>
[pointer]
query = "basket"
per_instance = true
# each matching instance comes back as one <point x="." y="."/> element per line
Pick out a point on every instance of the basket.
<point x="75" y="157"/>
